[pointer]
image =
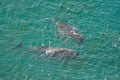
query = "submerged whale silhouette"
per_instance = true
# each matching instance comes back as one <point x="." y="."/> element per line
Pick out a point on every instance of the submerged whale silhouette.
<point x="67" y="31"/>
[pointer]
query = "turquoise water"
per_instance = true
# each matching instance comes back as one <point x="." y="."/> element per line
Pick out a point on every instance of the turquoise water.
<point x="24" y="20"/>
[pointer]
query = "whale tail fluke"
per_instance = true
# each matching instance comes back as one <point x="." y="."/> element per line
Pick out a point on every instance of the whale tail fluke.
<point x="20" y="45"/>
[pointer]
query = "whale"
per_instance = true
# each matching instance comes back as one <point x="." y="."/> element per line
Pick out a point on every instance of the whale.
<point x="53" y="52"/>
<point x="67" y="31"/>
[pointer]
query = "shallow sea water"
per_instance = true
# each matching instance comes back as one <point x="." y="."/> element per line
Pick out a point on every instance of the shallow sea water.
<point x="24" y="21"/>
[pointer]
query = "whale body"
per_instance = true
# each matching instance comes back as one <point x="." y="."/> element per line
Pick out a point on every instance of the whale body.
<point x="56" y="52"/>
<point x="69" y="32"/>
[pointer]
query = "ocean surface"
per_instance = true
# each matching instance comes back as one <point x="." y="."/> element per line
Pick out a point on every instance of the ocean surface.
<point x="98" y="21"/>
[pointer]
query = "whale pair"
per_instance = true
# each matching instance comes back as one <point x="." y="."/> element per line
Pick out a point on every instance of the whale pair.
<point x="66" y="31"/>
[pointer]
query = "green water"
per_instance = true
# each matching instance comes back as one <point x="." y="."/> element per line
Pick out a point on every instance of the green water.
<point x="24" y="20"/>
